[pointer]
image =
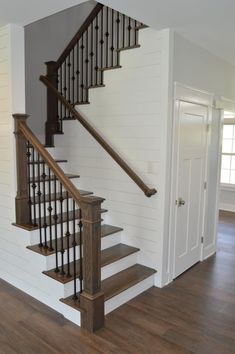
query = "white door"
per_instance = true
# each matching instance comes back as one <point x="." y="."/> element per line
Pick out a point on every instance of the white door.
<point x="190" y="185"/>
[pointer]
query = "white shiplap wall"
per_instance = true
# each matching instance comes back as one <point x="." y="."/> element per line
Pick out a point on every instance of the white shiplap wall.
<point x="18" y="265"/>
<point x="131" y="113"/>
<point x="6" y="139"/>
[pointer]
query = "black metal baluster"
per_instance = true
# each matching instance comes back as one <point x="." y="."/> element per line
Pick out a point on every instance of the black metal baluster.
<point x="123" y="31"/>
<point x="73" y="78"/>
<point x="107" y="37"/>
<point x="61" y="105"/>
<point x="96" y="49"/>
<point x="44" y="205"/>
<point x="112" y="46"/>
<point x="62" y="272"/>
<point x="129" y="33"/>
<point x="68" y="236"/>
<point x="135" y="32"/>
<point x="65" y="86"/>
<point x="34" y="186"/>
<point x="74" y="253"/>
<point x="91" y="55"/>
<point x="50" y="209"/>
<point x="39" y="193"/>
<point x="80" y="250"/>
<point x="78" y="74"/>
<point x="102" y="43"/>
<point x="56" y="224"/>
<point x="28" y="154"/>
<point x="69" y="79"/>
<point x="118" y="35"/>
<point x="82" y="69"/>
<point x="87" y="62"/>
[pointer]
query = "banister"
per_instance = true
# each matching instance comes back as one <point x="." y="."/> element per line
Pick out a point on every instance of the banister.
<point x="78" y="35"/>
<point x="59" y="173"/>
<point x="147" y="191"/>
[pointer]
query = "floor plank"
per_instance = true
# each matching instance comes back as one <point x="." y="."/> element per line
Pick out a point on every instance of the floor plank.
<point x="194" y="314"/>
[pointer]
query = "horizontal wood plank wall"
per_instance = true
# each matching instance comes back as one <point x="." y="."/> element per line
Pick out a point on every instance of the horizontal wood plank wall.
<point x="18" y="265"/>
<point x="6" y="148"/>
<point x="129" y="112"/>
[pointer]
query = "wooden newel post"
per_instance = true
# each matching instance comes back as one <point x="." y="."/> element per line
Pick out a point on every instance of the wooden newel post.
<point x="52" y="123"/>
<point x="22" y="196"/>
<point x="92" y="297"/>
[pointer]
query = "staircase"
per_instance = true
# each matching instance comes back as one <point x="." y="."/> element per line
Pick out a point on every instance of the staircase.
<point x="86" y="264"/>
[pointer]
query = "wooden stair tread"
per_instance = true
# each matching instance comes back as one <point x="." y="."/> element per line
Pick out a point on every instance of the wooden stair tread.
<point x="41" y="161"/>
<point x="110" y="68"/>
<point x="57" y="196"/>
<point x="108" y="256"/>
<point x="95" y="86"/>
<point x="60" y="218"/>
<point x="117" y="283"/>
<point x="106" y="230"/>
<point x="68" y="175"/>
<point x="127" y="48"/>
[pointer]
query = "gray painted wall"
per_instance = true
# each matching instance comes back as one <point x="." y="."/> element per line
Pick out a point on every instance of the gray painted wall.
<point x="44" y="41"/>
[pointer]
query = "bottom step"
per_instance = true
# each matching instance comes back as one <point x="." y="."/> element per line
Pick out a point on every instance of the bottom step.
<point x="129" y="283"/>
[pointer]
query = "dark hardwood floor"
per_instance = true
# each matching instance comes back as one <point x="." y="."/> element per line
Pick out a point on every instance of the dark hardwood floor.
<point x="194" y="314"/>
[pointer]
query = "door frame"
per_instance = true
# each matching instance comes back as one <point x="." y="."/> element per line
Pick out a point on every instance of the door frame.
<point x="183" y="93"/>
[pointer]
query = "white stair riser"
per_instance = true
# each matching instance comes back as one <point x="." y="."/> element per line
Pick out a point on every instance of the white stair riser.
<point x="113" y="303"/>
<point x="127" y="295"/>
<point x="35" y="234"/>
<point x="106" y="242"/>
<point x="106" y="271"/>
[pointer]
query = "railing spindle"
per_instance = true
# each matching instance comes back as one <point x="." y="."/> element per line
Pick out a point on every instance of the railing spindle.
<point x="28" y="154"/>
<point x="80" y="250"/>
<point x="68" y="236"/>
<point x="96" y="49"/>
<point x="62" y="272"/>
<point x="39" y="194"/>
<point x="91" y="55"/>
<point x="82" y="68"/>
<point x="74" y="253"/>
<point x="50" y="210"/>
<point x="56" y="230"/>
<point x="34" y="186"/>
<point x="44" y="205"/>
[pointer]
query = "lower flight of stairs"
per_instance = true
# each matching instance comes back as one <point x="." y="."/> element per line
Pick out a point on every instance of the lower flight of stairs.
<point x="122" y="277"/>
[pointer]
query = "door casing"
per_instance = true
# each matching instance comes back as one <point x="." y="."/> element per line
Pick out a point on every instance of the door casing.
<point x="202" y="98"/>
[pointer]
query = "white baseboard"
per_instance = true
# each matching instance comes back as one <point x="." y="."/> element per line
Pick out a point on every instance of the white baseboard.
<point x="227" y="207"/>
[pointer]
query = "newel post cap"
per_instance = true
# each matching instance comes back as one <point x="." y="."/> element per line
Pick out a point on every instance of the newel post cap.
<point x="20" y="116"/>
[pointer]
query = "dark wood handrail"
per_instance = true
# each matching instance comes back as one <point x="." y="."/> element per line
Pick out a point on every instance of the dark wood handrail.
<point x="147" y="191"/>
<point x="59" y="173"/>
<point x="78" y="35"/>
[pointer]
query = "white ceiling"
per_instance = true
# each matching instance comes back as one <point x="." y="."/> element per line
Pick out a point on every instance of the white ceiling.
<point x="23" y="12"/>
<point x="210" y="23"/>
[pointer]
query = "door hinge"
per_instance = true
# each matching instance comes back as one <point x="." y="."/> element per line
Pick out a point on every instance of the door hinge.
<point x="202" y="239"/>
<point x="207" y="127"/>
<point x="205" y="185"/>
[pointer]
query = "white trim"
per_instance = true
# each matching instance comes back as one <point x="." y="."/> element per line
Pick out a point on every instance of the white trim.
<point x="227" y="187"/>
<point x="191" y="95"/>
<point x="225" y="104"/>
<point x="227" y="207"/>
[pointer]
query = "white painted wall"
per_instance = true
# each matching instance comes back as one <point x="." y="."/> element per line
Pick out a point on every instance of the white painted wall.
<point x="197" y="68"/>
<point x="18" y="266"/>
<point x="227" y="198"/>
<point x="11" y="101"/>
<point x="131" y="112"/>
